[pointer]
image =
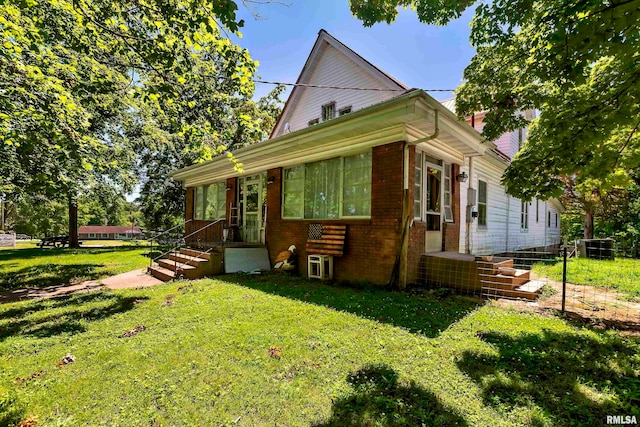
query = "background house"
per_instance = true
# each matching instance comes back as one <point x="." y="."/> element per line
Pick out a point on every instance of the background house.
<point x="108" y="232"/>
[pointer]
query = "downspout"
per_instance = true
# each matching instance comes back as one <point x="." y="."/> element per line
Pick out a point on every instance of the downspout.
<point x="470" y="204"/>
<point x="399" y="271"/>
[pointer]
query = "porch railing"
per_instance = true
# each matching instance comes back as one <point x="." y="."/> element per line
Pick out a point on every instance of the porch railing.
<point x="157" y="237"/>
<point x="183" y="241"/>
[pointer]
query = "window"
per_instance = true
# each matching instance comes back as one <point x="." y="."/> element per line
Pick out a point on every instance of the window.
<point x="537" y="212"/>
<point x="92" y="235"/>
<point x="356" y="185"/>
<point x="524" y="215"/>
<point x="417" y="188"/>
<point x="328" y="189"/>
<point x="328" y="111"/>
<point x="549" y="219"/>
<point x="448" y="212"/>
<point x="314" y="122"/>
<point x="520" y="138"/>
<point x="210" y="201"/>
<point x="482" y="204"/>
<point x="556" y="220"/>
<point x="105" y="235"/>
<point x="345" y="110"/>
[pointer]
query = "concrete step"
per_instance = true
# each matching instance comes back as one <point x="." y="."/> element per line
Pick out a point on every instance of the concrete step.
<point x="195" y="253"/>
<point x="192" y="260"/>
<point x="162" y="273"/>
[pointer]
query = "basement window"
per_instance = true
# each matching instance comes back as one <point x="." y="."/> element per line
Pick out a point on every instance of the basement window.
<point x="314" y="122"/>
<point x="345" y="110"/>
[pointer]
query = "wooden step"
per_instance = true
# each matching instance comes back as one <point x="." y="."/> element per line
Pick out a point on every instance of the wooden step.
<point x="162" y="273"/>
<point x="179" y="268"/>
<point x="195" y="253"/>
<point x="528" y="291"/>
<point x="192" y="260"/>
<point x="505" y="281"/>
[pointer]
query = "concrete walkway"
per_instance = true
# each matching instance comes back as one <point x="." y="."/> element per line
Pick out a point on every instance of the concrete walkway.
<point x="131" y="279"/>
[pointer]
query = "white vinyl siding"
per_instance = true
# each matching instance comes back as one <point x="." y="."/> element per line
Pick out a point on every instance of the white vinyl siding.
<point x="329" y="189"/>
<point x="332" y="68"/>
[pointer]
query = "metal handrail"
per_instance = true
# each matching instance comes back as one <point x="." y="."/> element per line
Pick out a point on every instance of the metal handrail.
<point x="171" y="229"/>
<point x="183" y="264"/>
<point x="187" y="236"/>
<point x="160" y="234"/>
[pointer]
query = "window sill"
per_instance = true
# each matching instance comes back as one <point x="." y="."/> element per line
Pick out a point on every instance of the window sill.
<point x="365" y="221"/>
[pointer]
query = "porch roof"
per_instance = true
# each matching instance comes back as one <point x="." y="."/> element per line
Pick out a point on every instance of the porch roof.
<point x="407" y="117"/>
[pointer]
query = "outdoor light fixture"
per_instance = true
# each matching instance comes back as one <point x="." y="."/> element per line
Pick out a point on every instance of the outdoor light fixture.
<point x="229" y="187"/>
<point x="271" y="180"/>
<point x="462" y="177"/>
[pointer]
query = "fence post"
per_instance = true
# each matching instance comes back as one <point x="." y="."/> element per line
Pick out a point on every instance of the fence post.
<point x="564" y="277"/>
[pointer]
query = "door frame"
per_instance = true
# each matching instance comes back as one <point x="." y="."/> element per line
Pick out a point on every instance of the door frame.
<point x="243" y="182"/>
<point x="432" y="238"/>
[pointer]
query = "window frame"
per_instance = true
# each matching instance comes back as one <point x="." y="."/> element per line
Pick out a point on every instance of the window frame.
<point x="325" y="108"/>
<point x="313" y="122"/>
<point x="447" y="175"/>
<point x="340" y="201"/>
<point x="419" y="185"/>
<point x="556" y="214"/>
<point x="205" y="192"/>
<point x="345" y="110"/>
<point x="484" y="226"/>
<point x="524" y="216"/>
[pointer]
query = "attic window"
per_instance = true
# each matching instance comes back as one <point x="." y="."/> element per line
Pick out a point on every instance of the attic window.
<point x="328" y="111"/>
<point x="345" y="110"/>
<point x="314" y="122"/>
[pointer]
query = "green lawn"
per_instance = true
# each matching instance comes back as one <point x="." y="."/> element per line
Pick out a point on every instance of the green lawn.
<point x="622" y="274"/>
<point x="35" y="267"/>
<point x="361" y="357"/>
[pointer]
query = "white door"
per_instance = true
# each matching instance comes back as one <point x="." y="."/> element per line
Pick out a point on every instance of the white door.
<point x="433" y="206"/>
<point x="252" y="208"/>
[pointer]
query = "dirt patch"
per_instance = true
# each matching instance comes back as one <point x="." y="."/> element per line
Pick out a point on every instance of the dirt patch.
<point x="602" y="308"/>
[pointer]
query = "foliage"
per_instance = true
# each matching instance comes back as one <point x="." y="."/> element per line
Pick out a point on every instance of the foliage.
<point x="195" y="365"/>
<point x="72" y="73"/>
<point x="577" y="62"/>
<point x="162" y="147"/>
<point x="40" y="268"/>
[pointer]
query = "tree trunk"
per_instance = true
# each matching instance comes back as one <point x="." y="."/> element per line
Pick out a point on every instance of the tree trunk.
<point x="73" y="222"/>
<point x="588" y="225"/>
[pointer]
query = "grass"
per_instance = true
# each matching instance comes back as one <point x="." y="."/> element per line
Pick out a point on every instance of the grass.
<point x="30" y="244"/>
<point x="622" y="274"/>
<point x="36" y="268"/>
<point x="363" y="357"/>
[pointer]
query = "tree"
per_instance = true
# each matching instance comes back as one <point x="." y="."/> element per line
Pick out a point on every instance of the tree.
<point x="575" y="61"/>
<point x="162" y="148"/>
<point x="72" y="71"/>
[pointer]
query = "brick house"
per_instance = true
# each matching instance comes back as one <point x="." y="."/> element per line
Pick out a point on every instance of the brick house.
<point x="108" y="232"/>
<point x="394" y="165"/>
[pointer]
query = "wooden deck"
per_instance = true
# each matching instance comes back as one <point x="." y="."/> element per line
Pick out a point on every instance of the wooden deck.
<point x="491" y="278"/>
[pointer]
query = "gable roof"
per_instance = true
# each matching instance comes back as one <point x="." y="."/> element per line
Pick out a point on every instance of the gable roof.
<point x="324" y="41"/>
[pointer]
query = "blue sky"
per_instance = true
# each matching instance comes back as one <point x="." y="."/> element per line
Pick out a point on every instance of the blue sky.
<point x="419" y="55"/>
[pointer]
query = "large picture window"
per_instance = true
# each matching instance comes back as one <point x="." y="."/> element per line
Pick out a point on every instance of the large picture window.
<point x="329" y="189"/>
<point x="210" y="201"/>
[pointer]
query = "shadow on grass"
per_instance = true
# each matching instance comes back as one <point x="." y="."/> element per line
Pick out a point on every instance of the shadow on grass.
<point x="563" y="374"/>
<point x="51" y="274"/>
<point x="425" y="314"/>
<point x="69" y="317"/>
<point x="379" y="399"/>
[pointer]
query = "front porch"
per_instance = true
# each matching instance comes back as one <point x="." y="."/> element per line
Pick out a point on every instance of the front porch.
<point x="487" y="276"/>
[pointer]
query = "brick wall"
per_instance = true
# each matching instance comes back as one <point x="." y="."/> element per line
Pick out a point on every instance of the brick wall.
<point x="371" y="244"/>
